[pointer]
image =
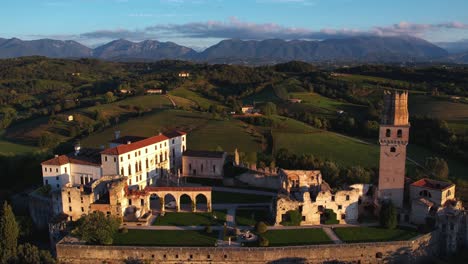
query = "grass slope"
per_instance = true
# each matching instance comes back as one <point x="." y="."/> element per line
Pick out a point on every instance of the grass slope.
<point x="191" y="219"/>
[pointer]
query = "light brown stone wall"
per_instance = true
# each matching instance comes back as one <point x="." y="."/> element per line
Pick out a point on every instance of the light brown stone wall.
<point x="416" y="251"/>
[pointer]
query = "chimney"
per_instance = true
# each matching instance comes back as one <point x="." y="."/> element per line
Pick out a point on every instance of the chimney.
<point x="77" y="149"/>
<point x="117" y="134"/>
<point x="129" y="142"/>
<point x="56" y="155"/>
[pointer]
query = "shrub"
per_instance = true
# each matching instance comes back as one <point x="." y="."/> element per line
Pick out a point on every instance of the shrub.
<point x="123" y="230"/>
<point x="263" y="242"/>
<point x="261" y="227"/>
<point x="388" y="215"/>
<point x="330" y="217"/>
<point x="295" y="216"/>
<point x="97" y="228"/>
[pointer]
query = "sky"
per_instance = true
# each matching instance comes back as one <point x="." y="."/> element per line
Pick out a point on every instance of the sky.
<point x="201" y="23"/>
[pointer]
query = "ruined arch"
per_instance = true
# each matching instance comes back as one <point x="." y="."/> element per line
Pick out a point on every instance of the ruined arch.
<point x="155" y="202"/>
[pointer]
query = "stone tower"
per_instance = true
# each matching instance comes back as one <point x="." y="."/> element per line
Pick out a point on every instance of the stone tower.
<point x="393" y="138"/>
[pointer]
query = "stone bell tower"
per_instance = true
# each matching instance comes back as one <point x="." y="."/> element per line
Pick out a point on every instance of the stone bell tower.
<point x="393" y="138"/>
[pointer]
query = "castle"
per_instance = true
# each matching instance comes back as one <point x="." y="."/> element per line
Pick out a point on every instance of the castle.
<point x="125" y="179"/>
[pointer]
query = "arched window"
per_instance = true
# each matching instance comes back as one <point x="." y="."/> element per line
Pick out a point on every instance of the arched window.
<point x="129" y="169"/>
<point x="201" y="168"/>
<point x="448" y="193"/>
<point x="399" y="133"/>
<point x="388" y="133"/>
<point x="122" y="171"/>
<point x="392" y="149"/>
<point x="147" y="163"/>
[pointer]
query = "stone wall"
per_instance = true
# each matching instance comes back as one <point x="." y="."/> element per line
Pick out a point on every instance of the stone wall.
<point x="418" y="250"/>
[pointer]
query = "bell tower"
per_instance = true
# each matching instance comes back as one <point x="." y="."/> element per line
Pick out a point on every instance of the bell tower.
<point x="393" y="138"/>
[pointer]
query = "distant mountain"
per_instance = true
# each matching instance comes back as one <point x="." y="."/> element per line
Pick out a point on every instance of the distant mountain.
<point x="353" y="48"/>
<point x="454" y="47"/>
<point x="365" y="49"/>
<point x="149" y="49"/>
<point x="461" y="58"/>
<point x="10" y="48"/>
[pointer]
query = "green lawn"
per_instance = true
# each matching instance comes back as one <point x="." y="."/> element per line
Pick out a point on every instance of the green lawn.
<point x="191" y="219"/>
<point x="373" y="234"/>
<point x="249" y="217"/>
<point x="295" y="237"/>
<point x="174" y="238"/>
<point x="328" y="145"/>
<point x="232" y="197"/>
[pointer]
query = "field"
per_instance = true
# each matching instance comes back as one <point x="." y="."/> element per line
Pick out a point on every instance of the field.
<point x="373" y="234"/>
<point x="10" y="148"/>
<point x="165" y="238"/>
<point x="328" y="145"/>
<point x="326" y="105"/>
<point x="441" y="108"/>
<point x="198" y="99"/>
<point x="191" y="219"/>
<point x="204" y="132"/>
<point x="296" y="237"/>
<point x="29" y="131"/>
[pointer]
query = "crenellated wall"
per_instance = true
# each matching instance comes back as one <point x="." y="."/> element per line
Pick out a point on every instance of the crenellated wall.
<point x="418" y="250"/>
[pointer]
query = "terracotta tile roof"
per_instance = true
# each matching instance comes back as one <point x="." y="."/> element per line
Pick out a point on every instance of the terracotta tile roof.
<point x="204" y="153"/>
<point x="122" y="149"/>
<point x="174" y="133"/>
<point x="431" y="184"/>
<point x="86" y="156"/>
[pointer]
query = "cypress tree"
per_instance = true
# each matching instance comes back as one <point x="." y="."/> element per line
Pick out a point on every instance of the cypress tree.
<point x="9" y="232"/>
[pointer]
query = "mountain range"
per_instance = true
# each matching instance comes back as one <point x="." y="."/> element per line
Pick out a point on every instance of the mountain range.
<point x="363" y="48"/>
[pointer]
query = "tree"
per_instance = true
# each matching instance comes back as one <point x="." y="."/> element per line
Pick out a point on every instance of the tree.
<point x="330" y="171"/>
<point x="9" y="232"/>
<point x="109" y="97"/>
<point x="96" y="228"/>
<point x="261" y="227"/>
<point x="30" y="254"/>
<point x="388" y="215"/>
<point x="269" y="109"/>
<point x="438" y="167"/>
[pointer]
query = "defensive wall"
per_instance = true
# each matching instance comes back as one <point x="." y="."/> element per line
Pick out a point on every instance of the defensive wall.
<point x="418" y="250"/>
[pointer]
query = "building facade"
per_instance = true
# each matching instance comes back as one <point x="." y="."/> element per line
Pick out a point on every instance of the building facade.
<point x="203" y="164"/>
<point x="393" y="139"/>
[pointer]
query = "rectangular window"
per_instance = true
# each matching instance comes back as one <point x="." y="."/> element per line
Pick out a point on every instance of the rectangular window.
<point x="45" y="169"/>
<point x="340" y="207"/>
<point x="173" y="141"/>
<point x="129" y="201"/>
<point x="57" y="178"/>
<point x="56" y="170"/>
<point x="69" y="199"/>
<point x="46" y="182"/>
<point x="115" y="159"/>
<point x="50" y="169"/>
<point x="105" y="158"/>
<point x="69" y="208"/>
<point x="121" y="159"/>
<point x="82" y="209"/>
<point x="146" y="150"/>
<point x="128" y="156"/>
<point x="65" y="169"/>
<point x="58" y="185"/>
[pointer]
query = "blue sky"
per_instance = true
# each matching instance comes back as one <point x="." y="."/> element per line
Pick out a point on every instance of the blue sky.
<point x="199" y="23"/>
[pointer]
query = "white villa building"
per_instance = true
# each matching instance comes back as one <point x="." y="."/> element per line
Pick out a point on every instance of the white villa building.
<point x="140" y="160"/>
